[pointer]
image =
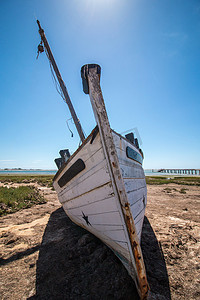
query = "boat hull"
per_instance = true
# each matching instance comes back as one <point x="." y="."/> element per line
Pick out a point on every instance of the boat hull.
<point x="91" y="201"/>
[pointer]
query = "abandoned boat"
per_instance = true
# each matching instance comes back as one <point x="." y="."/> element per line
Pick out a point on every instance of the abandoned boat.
<point x="101" y="186"/>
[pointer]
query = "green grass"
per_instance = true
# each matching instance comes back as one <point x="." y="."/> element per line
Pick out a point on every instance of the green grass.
<point x="178" y="180"/>
<point x="44" y="180"/>
<point x="168" y="190"/>
<point x="14" y="199"/>
<point x="183" y="191"/>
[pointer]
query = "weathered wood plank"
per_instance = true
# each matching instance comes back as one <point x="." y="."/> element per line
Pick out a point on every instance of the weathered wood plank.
<point x="90" y="198"/>
<point x="134" y="184"/>
<point x="137" y="208"/>
<point x="131" y="172"/>
<point x="117" y="236"/>
<point x="139" y="222"/>
<point x="99" y="178"/>
<point x="129" y="162"/>
<point x="107" y="219"/>
<point x="138" y="195"/>
<point x="101" y="206"/>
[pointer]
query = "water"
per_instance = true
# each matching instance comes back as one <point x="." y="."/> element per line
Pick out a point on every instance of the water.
<point x="28" y="172"/>
<point x="149" y="172"/>
<point x="155" y="173"/>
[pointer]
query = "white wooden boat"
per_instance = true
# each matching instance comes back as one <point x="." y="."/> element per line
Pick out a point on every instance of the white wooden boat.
<point x="102" y="185"/>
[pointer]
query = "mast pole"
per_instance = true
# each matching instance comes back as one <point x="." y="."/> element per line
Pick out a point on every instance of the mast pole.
<point x="62" y="84"/>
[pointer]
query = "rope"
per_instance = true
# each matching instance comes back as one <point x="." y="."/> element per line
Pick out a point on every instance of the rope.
<point x="56" y="83"/>
<point x="57" y="86"/>
<point x="69" y="127"/>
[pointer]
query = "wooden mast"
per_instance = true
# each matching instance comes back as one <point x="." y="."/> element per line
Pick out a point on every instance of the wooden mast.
<point x="61" y="82"/>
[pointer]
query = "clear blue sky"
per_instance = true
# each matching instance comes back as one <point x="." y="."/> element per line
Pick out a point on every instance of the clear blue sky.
<point x="149" y="51"/>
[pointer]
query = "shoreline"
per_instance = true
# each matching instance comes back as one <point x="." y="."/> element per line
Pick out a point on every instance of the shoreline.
<point x="148" y="172"/>
<point x="53" y="172"/>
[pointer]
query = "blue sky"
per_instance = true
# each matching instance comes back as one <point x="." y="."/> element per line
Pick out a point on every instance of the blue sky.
<point x="149" y="51"/>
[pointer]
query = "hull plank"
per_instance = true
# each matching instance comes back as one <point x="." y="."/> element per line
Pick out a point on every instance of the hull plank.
<point x="137" y="209"/>
<point x="132" y="184"/>
<point x="128" y="171"/>
<point x="102" y="195"/>
<point x="137" y="195"/>
<point x="96" y="179"/>
<point x="138" y="224"/>
<point x="102" y="206"/>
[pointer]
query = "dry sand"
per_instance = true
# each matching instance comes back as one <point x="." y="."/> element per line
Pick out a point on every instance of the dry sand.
<point x="45" y="256"/>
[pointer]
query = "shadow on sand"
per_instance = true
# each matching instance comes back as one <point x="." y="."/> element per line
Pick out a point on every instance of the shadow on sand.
<point x="73" y="264"/>
<point x="155" y="263"/>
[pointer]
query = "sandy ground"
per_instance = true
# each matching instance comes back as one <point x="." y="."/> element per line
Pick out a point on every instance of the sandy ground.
<point x="43" y="255"/>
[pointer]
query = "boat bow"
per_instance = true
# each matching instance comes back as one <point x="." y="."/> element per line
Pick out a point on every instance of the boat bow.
<point x="91" y="85"/>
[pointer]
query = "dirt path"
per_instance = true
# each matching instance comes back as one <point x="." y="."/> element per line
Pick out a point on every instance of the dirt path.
<point x="45" y="256"/>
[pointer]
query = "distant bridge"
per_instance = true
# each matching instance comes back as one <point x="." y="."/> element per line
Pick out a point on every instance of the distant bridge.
<point x="180" y="171"/>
